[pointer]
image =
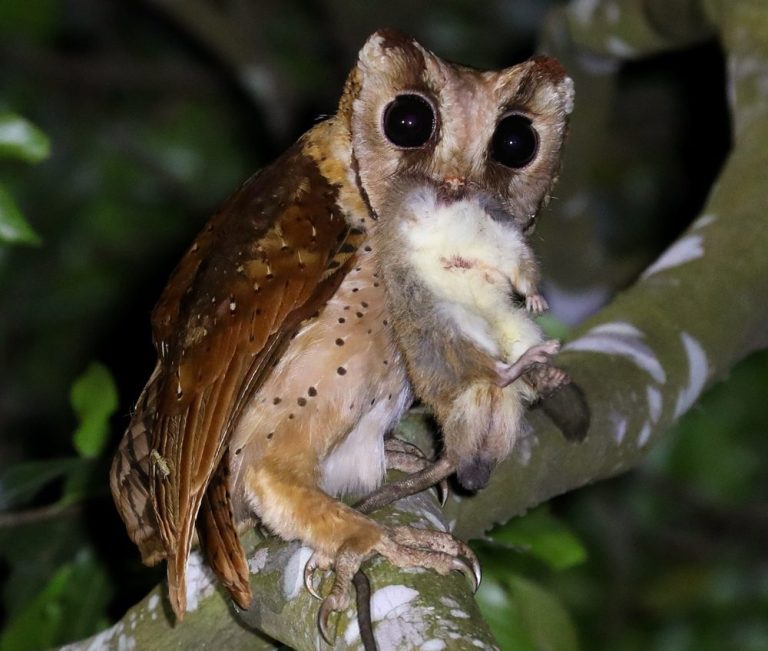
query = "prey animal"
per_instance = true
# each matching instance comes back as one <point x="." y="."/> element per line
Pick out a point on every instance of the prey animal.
<point x="289" y="337"/>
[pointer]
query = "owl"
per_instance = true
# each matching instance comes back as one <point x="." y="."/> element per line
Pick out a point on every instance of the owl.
<point x="375" y="262"/>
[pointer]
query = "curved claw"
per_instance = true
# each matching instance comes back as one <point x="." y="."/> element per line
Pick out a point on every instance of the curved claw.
<point x="323" y="616"/>
<point x="442" y="492"/>
<point x="309" y="569"/>
<point x="472" y="572"/>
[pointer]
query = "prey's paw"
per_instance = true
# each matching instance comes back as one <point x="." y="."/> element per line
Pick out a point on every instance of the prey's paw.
<point x="506" y="374"/>
<point x="408" y="458"/>
<point x="402" y="546"/>
<point x="547" y="379"/>
<point x="536" y="303"/>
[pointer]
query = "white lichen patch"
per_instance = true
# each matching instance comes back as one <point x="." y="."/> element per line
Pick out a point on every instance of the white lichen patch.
<point x="434" y="520"/>
<point x="572" y="307"/>
<point x="619" y="328"/>
<point x="623" y="339"/>
<point x="704" y="220"/>
<point x="619" y="427"/>
<point x="433" y="645"/>
<point x="459" y="614"/>
<point x="258" y="561"/>
<point x="583" y="10"/>
<point x="389" y="598"/>
<point x="619" y="47"/>
<point x="154" y="602"/>
<point x="645" y="434"/>
<point x="104" y="640"/>
<point x="690" y="247"/>
<point x="399" y="623"/>
<point x="424" y="508"/>
<point x="654" y="403"/>
<point x="698" y="372"/>
<point x="293" y="577"/>
<point x="449" y="602"/>
<point x="200" y="580"/>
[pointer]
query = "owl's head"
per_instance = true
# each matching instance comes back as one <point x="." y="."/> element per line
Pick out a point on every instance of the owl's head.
<point x="414" y="117"/>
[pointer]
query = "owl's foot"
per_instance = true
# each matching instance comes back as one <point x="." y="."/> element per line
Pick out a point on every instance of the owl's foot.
<point x="506" y="374"/>
<point x="536" y="304"/>
<point x="402" y="546"/>
<point x="408" y="458"/>
<point x="434" y="474"/>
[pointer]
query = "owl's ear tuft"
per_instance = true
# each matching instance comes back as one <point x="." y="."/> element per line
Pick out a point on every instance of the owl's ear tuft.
<point x="385" y="44"/>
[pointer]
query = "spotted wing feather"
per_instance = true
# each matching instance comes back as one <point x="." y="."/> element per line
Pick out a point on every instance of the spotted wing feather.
<point x="268" y="260"/>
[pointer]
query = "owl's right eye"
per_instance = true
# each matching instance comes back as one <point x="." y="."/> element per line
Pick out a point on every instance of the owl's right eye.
<point x="409" y="121"/>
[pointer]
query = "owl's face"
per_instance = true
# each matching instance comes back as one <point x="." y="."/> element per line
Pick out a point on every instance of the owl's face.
<point x="416" y="118"/>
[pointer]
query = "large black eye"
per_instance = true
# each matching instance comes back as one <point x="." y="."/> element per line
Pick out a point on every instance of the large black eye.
<point x="515" y="141"/>
<point x="409" y="121"/>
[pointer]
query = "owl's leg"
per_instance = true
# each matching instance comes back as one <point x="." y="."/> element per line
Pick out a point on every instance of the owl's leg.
<point x="282" y="490"/>
<point x="429" y="476"/>
<point x="408" y="458"/>
<point x="404" y="547"/>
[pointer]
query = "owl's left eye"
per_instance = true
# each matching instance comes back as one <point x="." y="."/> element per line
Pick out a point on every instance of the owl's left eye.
<point x="515" y="142"/>
<point x="409" y="121"/>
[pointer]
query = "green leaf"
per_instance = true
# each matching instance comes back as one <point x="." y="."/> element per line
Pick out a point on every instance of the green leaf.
<point x="19" y="138"/>
<point x="21" y="482"/>
<point x="543" y="536"/>
<point x="14" y="229"/>
<point x="94" y="399"/>
<point x="72" y="605"/>
<point x="525" y="617"/>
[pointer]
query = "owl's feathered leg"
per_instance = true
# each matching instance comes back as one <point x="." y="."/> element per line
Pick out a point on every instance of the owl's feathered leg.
<point x="283" y="491"/>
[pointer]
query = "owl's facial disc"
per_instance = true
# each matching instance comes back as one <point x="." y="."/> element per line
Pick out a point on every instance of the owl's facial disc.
<point x="413" y="116"/>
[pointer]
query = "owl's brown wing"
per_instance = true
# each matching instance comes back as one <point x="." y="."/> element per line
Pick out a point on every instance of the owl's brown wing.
<point x="269" y="259"/>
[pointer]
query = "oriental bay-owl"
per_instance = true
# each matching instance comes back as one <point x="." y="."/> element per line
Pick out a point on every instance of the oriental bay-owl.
<point x="304" y="320"/>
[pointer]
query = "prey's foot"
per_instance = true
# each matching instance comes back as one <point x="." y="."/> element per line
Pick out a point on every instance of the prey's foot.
<point x="536" y="303"/>
<point x="401" y="546"/>
<point x="538" y="354"/>
<point x="408" y="458"/>
<point x="546" y="379"/>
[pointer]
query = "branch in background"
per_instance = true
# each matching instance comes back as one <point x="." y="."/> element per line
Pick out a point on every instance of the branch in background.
<point x="230" y="31"/>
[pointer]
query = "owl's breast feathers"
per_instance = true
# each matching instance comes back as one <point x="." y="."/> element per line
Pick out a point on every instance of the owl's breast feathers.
<point x="268" y="260"/>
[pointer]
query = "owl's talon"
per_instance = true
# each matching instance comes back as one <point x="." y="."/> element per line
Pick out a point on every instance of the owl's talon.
<point x="309" y="571"/>
<point x="442" y="492"/>
<point x="470" y="571"/>
<point x="323" y="617"/>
